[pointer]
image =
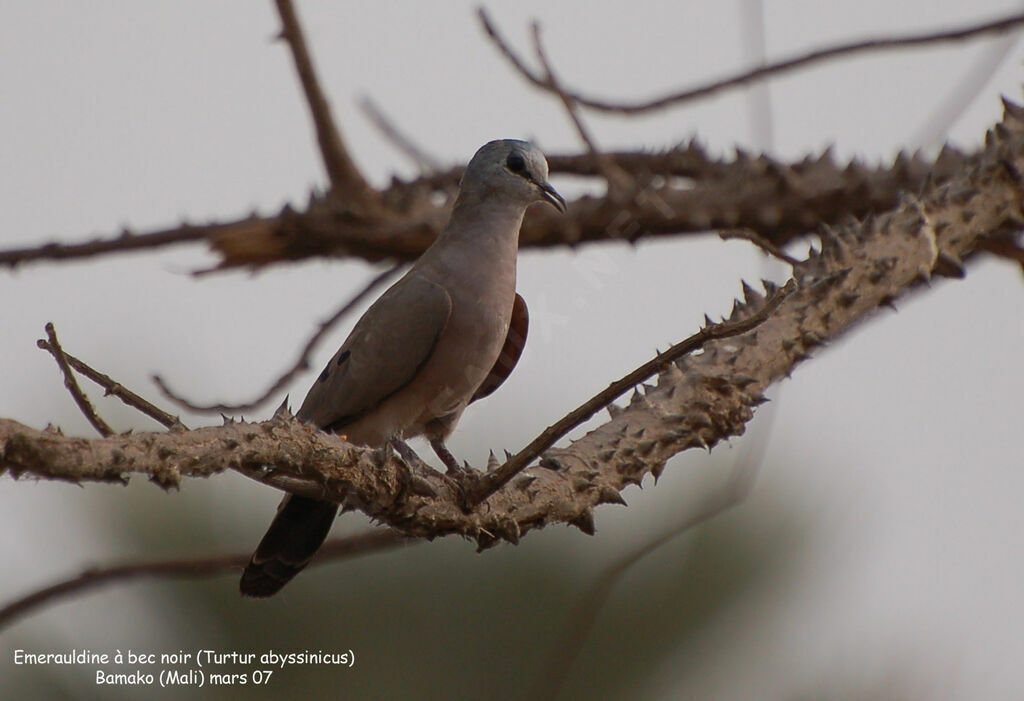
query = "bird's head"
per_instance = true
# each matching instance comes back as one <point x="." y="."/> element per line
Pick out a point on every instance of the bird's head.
<point x="512" y="168"/>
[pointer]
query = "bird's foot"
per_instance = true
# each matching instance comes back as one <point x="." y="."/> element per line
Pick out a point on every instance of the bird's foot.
<point x="461" y="478"/>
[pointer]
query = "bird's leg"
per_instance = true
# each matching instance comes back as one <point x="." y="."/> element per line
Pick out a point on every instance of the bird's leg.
<point x="454" y="479"/>
<point x="454" y="469"/>
<point x="458" y="476"/>
<point x="408" y="454"/>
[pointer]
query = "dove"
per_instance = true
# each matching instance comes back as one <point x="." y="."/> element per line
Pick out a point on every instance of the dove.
<point x="445" y="334"/>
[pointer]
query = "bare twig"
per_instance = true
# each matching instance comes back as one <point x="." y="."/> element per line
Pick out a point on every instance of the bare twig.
<point x="999" y="26"/>
<point x="941" y="119"/>
<point x="617" y="179"/>
<point x="346" y="180"/>
<point x="760" y="241"/>
<point x="53" y="347"/>
<point x="568" y="644"/>
<point x="187" y="568"/>
<point x="496" y="479"/>
<point x="301" y="363"/>
<point x="424" y="161"/>
<point x="116" y="389"/>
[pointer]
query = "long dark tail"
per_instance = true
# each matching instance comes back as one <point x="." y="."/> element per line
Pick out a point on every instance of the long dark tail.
<point x="298" y="529"/>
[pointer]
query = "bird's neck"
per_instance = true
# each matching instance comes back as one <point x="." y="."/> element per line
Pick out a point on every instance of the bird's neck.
<point x="476" y="215"/>
<point x="482" y="236"/>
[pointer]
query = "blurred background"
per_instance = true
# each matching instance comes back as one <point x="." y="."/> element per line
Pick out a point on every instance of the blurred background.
<point x="879" y="555"/>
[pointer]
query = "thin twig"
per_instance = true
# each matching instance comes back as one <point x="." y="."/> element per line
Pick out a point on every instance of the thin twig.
<point x="53" y="347"/>
<point x="189" y="568"/>
<point x="346" y="180"/>
<point x="116" y="389"/>
<point x="566" y="648"/>
<point x="760" y="241"/>
<point x="423" y="160"/>
<point x="616" y="178"/>
<point x="999" y="26"/>
<point x="490" y="482"/>
<point x="940" y="120"/>
<point x="301" y="364"/>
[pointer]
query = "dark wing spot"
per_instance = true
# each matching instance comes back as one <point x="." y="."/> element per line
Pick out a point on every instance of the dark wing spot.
<point x="515" y="162"/>
<point x="327" y="370"/>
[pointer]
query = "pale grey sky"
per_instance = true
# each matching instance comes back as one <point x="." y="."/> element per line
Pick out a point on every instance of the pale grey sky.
<point x="898" y="442"/>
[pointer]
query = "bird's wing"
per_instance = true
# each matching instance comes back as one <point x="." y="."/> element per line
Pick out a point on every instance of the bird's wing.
<point x="515" y="341"/>
<point x="386" y="349"/>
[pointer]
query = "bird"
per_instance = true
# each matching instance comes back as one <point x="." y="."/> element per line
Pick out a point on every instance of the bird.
<point x="447" y="333"/>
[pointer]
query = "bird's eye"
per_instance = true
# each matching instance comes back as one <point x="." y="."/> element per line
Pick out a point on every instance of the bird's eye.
<point x="515" y="163"/>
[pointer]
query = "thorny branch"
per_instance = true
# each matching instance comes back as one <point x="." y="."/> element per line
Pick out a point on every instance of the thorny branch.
<point x="498" y="478"/>
<point x="685" y="191"/>
<point x="999" y="26"/>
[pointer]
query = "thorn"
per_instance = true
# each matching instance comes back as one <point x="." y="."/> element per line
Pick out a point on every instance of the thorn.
<point x="656" y="470"/>
<point x="846" y="299"/>
<point x="1012" y="110"/>
<point x="610" y="495"/>
<point x="637" y="398"/>
<point x="492" y="462"/>
<point x="585" y="522"/>
<point x="750" y="295"/>
<point x="743" y="381"/>
<point x="949" y="265"/>
<point x="283" y="412"/>
<point x="550" y="464"/>
<point x="737" y="307"/>
<point x="524" y="481"/>
<point x="511" y="532"/>
<point x="485" y="540"/>
<point x="614" y="410"/>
